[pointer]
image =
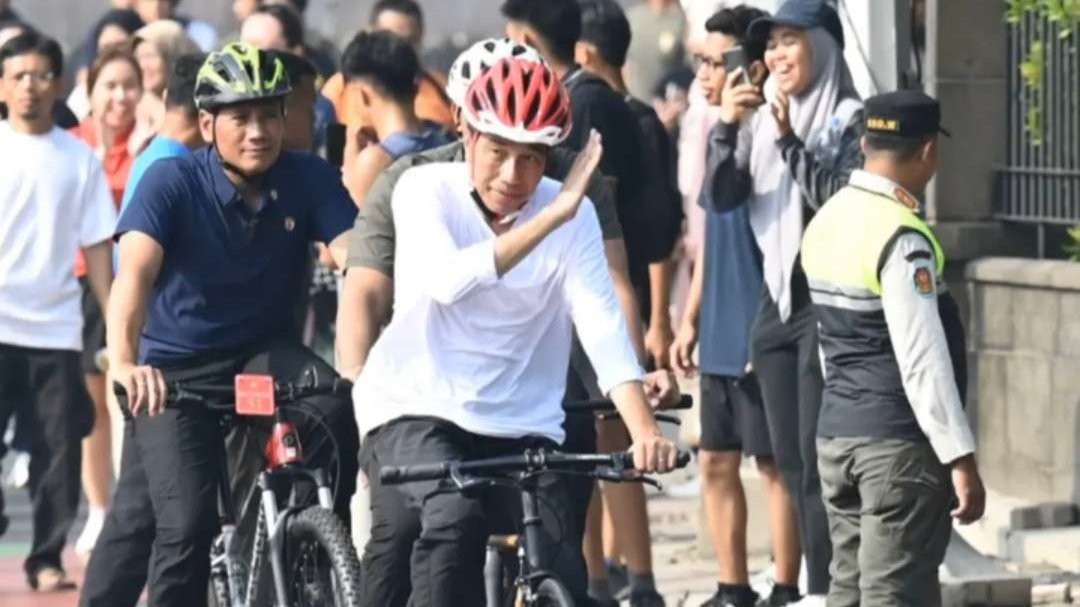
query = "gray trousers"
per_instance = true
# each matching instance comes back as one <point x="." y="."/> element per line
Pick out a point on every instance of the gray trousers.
<point x="888" y="505"/>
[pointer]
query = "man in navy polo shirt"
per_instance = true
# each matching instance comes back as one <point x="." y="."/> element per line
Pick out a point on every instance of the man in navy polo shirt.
<point x="213" y="249"/>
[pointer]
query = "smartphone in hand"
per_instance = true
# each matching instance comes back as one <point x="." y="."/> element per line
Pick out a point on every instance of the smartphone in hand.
<point x="737" y="58"/>
<point x="335" y="144"/>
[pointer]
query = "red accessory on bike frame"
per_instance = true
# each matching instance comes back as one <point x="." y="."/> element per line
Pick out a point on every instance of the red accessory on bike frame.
<point x="283" y="447"/>
<point x="254" y="395"/>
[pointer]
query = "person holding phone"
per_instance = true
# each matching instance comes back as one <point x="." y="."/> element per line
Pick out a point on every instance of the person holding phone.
<point x="720" y="310"/>
<point x="793" y="156"/>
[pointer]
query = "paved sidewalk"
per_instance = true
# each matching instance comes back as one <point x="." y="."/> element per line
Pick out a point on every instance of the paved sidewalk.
<point x="684" y="567"/>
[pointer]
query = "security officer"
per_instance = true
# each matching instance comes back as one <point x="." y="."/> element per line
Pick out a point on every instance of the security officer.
<point x="894" y="446"/>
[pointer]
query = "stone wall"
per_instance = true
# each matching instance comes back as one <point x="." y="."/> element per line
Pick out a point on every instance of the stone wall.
<point x="1024" y="352"/>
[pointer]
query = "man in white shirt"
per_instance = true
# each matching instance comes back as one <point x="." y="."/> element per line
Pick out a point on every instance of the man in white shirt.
<point x="56" y="200"/>
<point x="495" y="266"/>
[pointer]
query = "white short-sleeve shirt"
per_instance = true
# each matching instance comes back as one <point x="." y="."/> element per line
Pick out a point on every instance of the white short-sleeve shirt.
<point x="54" y="199"/>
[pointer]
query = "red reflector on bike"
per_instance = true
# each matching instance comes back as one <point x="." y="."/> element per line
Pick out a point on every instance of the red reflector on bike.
<point x="255" y="395"/>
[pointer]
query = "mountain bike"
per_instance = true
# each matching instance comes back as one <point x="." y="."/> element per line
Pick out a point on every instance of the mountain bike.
<point x="505" y="552"/>
<point x="532" y="584"/>
<point x="311" y="557"/>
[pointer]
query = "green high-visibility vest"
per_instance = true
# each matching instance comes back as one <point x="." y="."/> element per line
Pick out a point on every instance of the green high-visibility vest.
<point x="845" y="243"/>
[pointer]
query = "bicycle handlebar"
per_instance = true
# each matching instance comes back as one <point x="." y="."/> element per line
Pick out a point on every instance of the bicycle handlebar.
<point x="604" y="405"/>
<point x="178" y="392"/>
<point x="533" y="461"/>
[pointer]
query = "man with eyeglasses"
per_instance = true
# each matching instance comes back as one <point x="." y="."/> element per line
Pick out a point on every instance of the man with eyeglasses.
<point x="56" y="200"/>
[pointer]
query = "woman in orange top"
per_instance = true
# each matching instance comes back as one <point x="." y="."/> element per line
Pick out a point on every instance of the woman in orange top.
<point x="115" y="85"/>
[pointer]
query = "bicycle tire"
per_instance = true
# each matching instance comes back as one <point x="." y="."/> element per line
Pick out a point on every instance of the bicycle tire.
<point x="311" y="574"/>
<point x="551" y="593"/>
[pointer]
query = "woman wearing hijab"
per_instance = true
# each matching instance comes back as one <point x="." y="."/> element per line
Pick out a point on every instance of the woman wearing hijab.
<point x="115" y="28"/>
<point x="785" y="162"/>
<point x="156" y="47"/>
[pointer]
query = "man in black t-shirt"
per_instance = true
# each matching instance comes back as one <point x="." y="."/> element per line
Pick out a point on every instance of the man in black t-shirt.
<point x="553" y="27"/>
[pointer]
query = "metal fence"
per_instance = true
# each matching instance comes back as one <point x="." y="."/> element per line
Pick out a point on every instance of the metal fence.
<point x="1040" y="182"/>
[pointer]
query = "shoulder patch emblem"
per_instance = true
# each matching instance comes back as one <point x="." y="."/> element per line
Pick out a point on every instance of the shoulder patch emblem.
<point x="924" y="282"/>
<point x="906" y="199"/>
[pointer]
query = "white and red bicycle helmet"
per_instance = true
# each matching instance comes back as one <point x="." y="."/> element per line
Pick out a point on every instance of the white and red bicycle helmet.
<point x="476" y="60"/>
<point x="520" y="101"/>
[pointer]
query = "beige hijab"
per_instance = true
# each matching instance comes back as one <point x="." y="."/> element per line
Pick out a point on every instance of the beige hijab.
<point x="169" y="38"/>
<point x="776" y="211"/>
<point x="171" y="42"/>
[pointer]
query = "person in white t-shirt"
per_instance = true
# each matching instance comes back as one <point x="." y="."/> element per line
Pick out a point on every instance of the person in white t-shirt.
<point x="55" y="200"/>
<point x="495" y="265"/>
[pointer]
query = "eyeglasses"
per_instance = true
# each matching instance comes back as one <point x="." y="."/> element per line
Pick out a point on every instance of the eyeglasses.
<point x="712" y="64"/>
<point x="39" y="78"/>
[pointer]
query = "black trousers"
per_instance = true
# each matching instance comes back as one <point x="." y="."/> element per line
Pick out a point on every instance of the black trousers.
<point x="58" y="417"/>
<point x="786" y="360"/>
<point x="164" y="514"/>
<point x="446" y="559"/>
<point x="386" y="571"/>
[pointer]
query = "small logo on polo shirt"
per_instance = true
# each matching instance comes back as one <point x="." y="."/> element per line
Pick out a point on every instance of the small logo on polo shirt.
<point x="290" y="224"/>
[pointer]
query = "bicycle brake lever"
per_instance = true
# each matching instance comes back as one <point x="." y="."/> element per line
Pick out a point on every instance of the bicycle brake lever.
<point x="628" y="476"/>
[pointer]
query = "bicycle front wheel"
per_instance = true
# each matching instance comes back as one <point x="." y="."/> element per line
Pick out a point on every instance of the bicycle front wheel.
<point x="322" y="566"/>
<point x="551" y="593"/>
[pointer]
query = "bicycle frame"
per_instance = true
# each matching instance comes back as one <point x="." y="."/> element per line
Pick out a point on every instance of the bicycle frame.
<point x="283" y="463"/>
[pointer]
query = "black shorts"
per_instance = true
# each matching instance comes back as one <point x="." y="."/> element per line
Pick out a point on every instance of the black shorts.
<point x="732" y="416"/>
<point x="93" y="329"/>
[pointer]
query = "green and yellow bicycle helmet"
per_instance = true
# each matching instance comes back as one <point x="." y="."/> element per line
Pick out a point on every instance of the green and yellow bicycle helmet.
<point x="239" y="73"/>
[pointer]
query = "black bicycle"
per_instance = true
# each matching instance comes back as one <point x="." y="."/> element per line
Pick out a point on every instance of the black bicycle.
<point x="531" y="585"/>
<point x="311" y="557"/>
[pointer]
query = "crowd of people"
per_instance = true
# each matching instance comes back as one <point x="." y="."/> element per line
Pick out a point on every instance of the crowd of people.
<point x="585" y="205"/>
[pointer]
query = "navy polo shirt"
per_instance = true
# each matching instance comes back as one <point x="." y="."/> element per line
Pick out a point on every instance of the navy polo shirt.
<point x="231" y="277"/>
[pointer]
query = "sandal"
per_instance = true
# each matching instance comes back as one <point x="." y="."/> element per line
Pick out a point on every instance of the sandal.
<point x="50" y="579"/>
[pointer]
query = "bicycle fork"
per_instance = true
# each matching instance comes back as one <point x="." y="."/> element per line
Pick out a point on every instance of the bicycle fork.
<point x="226" y="568"/>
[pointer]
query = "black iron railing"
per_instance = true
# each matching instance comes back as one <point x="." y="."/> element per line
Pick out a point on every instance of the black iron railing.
<point x="1040" y="182"/>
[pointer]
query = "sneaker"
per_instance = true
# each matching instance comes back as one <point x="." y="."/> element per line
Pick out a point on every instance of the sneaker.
<point x="50" y="579"/>
<point x="19" y="475"/>
<point x="618" y="580"/>
<point x="646" y="598"/>
<point x="781" y="596"/>
<point x="687" y="490"/>
<point x="763" y="581"/>
<point x="810" y="600"/>
<point x="727" y="596"/>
